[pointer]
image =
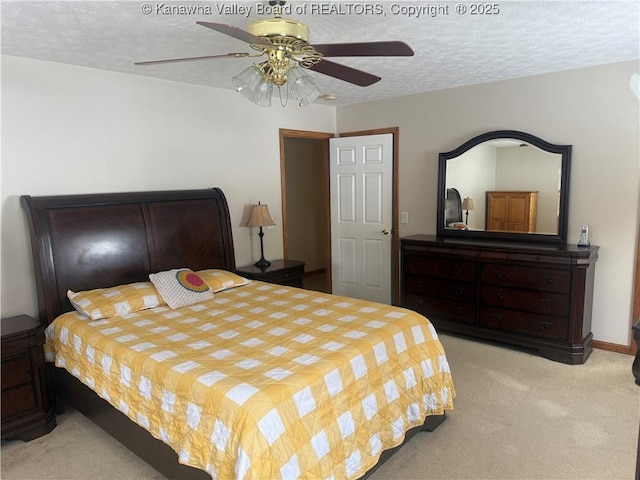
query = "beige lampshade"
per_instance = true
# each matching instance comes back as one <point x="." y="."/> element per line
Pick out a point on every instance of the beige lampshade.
<point x="467" y="204"/>
<point x="259" y="216"/>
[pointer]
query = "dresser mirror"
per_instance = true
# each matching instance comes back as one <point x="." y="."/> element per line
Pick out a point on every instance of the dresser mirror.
<point x="504" y="185"/>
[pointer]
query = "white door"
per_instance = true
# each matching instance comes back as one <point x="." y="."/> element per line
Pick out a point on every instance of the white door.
<point x="361" y="183"/>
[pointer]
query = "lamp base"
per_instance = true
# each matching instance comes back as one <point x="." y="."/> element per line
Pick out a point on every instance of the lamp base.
<point x="262" y="263"/>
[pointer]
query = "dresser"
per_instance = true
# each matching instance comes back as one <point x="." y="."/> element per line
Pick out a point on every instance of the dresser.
<point x="530" y="295"/>
<point x="26" y="410"/>
<point x="512" y="211"/>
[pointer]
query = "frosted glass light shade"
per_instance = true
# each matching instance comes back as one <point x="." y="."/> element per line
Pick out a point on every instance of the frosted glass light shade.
<point x="302" y="86"/>
<point x="262" y="95"/>
<point x="247" y="81"/>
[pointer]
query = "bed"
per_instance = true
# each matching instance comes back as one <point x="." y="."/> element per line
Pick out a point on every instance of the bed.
<point x="350" y="383"/>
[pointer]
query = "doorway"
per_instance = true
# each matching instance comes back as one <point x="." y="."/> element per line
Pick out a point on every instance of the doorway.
<point x="305" y="204"/>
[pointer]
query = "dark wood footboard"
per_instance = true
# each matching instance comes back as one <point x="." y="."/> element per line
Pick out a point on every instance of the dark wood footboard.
<point x="156" y="453"/>
<point x="153" y="451"/>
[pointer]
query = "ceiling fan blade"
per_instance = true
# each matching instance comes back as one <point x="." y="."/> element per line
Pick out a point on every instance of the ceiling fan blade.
<point x="189" y="59"/>
<point x="342" y="72"/>
<point x="235" y="32"/>
<point x="365" y="49"/>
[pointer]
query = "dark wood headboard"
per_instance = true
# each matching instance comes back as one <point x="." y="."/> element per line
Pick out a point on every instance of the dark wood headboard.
<point x="453" y="206"/>
<point x="81" y="242"/>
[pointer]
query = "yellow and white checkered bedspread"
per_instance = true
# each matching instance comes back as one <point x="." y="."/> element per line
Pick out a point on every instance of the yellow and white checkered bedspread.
<point x="265" y="381"/>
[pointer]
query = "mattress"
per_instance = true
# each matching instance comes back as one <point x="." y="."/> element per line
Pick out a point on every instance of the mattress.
<point x="264" y="381"/>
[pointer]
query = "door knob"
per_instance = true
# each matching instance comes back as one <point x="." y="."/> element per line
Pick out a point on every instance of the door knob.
<point x="385" y="231"/>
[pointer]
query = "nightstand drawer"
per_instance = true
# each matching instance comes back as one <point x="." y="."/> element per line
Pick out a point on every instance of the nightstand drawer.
<point x="287" y="277"/>
<point x="18" y="400"/>
<point x="16" y="372"/>
<point x="27" y="412"/>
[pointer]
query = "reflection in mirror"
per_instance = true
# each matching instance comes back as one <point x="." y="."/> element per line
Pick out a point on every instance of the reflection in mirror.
<point x="484" y="175"/>
<point x="505" y="185"/>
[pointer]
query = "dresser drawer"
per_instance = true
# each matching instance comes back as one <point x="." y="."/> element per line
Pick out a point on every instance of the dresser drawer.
<point x="545" y="279"/>
<point x="544" y="326"/>
<point x="442" y="308"/>
<point x="18" y="400"/>
<point x="539" y="258"/>
<point x="435" y="287"/>
<point x="440" y="267"/>
<point x="16" y="371"/>
<point x="291" y="277"/>
<point x="545" y="303"/>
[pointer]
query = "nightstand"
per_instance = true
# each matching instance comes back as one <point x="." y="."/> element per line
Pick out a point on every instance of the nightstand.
<point x="26" y="410"/>
<point x="283" y="272"/>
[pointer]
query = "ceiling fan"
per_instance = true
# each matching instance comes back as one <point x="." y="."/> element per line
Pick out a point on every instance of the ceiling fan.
<point x="285" y="42"/>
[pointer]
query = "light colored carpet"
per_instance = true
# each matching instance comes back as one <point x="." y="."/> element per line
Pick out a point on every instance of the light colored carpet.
<point x="517" y="416"/>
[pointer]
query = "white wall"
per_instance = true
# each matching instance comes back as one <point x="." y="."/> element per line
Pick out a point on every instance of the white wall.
<point x="69" y="129"/>
<point x="593" y="109"/>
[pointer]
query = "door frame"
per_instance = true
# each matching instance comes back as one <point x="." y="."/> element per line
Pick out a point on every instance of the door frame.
<point x="285" y="133"/>
<point x="395" y="240"/>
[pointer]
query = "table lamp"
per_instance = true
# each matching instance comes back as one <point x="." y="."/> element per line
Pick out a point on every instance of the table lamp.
<point x="259" y="216"/>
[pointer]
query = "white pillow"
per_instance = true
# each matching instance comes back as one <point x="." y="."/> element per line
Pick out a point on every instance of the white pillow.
<point x="181" y="287"/>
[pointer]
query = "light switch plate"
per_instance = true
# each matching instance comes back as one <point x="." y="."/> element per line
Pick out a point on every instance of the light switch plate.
<point x="404" y="217"/>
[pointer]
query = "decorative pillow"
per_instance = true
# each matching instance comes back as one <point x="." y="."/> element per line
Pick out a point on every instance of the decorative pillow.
<point x="181" y="287"/>
<point x="219" y="280"/>
<point x="119" y="300"/>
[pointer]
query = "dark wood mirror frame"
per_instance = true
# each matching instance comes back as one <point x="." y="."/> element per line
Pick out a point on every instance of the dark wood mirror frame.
<point x="563" y="206"/>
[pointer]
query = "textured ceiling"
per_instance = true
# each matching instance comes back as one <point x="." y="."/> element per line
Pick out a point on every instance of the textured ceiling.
<point x="521" y="38"/>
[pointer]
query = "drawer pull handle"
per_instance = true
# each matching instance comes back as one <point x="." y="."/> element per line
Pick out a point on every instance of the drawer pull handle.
<point x="457" y="269"/>
<point x="546" y="302"/>
<point x="421" y="303"/>
<point x="547" y="279"/>
<point x="537" y="257"/>
<point x="499" y="274"/>
<point x="458" y="291"/>
<point x="546" y="325"/>
<point x="498" y="296"/>
<point x="458" y="311"/>
<point x="477" y="254"/>
<point x="420" y="285"/>
<point x="498" y="317"/>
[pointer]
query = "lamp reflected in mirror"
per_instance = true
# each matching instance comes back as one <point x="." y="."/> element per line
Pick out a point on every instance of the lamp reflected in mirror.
<point x="467" y="204"/>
